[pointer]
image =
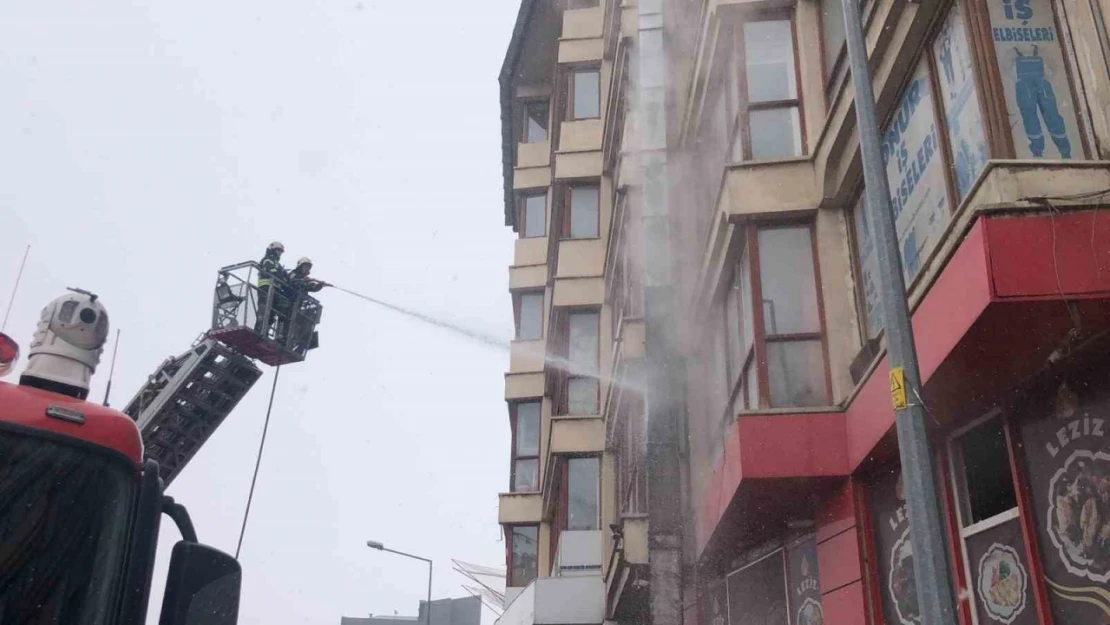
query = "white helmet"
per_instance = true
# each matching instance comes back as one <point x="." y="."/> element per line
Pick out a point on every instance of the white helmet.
<point x="68" y="341"/>
<point x="304" y="261"/>
<point x="275" y="246"/>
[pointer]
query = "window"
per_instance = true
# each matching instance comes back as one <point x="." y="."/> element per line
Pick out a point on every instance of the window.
<point x="584" y="212"/>
<point x="535" y="122"/>
<point x="740" y="329"/>
<point x="583" y="477"/>
<point x="770" y="120"/>
<point x="526" y="447"/>
<point x="832" y="33"/>
<point x="1034" y="77"/>
<point x="523" y="554"/>
<point x="959" y="98"/>
<point x="582" y="355"/>
<point x="533" y="213"/>
<point x="585" y="93"/>
<point x="529" y="321"/>
<point x="791" y="318"/>
<point x="992" y="542"/>
<point x="775" y="333"/>
<point x="982" y="472"/>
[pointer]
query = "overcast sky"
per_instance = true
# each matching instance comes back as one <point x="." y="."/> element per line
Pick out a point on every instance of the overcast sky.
<point x="145" y="144"/>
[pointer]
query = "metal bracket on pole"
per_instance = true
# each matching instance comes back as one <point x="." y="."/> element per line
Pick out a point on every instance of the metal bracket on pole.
<point x="927" y="537"/>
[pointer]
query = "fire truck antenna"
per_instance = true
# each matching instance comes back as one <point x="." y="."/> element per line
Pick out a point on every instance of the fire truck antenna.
<point x="15" y="288"/>
<point x="112" y="369"/>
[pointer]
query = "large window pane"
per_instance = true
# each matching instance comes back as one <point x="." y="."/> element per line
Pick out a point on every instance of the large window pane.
<point x="915" y="171"/>
<point x="832" y="29"/>
<point x="1034" y="79"/>
<point x="737" y="334"/>
<point x="769" y="59"/>
<point x="582" y="485"/>
<point x="584" y="212"/>
<point x="524" y="549"/>
<point x="535" y="122"/>
<point x="983" y="473"/>
<point x="531" y="316"/>
<point x="526" y="475"/>
<point x="528" y="429"/>
<point x="789" y="286"/>
<point x="868" y="277"/>
<point x="960" y="99"/>
<point x="582" y="396"/>
<point x="535" y="215"/>
<point x="586" y="84"/>
<point x="776" y="133"/>
<point x="751" y="386"/>
<point x="796" y="372"/>
<point x="583" y="342"/>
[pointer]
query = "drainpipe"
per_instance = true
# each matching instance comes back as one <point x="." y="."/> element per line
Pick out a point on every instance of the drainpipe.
<point x="664" y="370"/>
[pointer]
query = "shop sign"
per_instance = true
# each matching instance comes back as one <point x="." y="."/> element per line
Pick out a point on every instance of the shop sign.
<point x="1034" y="79"/>
<point x="1068" y="456"/>
<point x="805" y="589"/>
<point x="757" y="593"/>
<point x="915" y="171"/>
<point x="960" y="101"/>
<point x="1000" y="576"/>
<point x="895" y="554"/>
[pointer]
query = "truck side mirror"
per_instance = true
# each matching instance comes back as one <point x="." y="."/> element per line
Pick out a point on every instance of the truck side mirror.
<point x="202" y="587"/>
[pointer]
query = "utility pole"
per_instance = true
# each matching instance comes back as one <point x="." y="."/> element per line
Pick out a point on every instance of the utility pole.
<point x="930" y="551"/>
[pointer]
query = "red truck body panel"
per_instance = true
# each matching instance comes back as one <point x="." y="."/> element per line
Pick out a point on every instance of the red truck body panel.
<point x="26" y="406"/>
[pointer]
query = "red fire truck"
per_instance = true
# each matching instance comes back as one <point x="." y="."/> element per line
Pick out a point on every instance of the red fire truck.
<point x="80" y="509"/>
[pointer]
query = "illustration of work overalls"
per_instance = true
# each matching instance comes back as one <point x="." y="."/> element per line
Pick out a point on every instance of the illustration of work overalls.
<point x="1034" y="93"/>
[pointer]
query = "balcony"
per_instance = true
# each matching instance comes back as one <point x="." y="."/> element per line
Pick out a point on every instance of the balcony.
<point x="578" y="555"/>
<point x="557" y="601"/>
<point x="518" y="508"/>
<point x="573" y="595"/>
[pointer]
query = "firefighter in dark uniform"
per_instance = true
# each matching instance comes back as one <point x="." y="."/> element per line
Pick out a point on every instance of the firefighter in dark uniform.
<point x="300" y="283"/>
<point x="270" y="271"/>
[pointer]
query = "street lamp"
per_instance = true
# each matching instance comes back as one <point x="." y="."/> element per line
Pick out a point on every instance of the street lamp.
<point x="373" y="544"/>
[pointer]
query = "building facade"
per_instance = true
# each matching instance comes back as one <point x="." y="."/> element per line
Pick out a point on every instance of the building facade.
<point x="699" y="392"/>
<point x="461" y="611"/>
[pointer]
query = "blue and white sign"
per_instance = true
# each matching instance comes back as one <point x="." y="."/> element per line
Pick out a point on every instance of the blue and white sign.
<point x="1035" y="80"/>
<point x="914" y="165"/>
<point x="960" y="101"/>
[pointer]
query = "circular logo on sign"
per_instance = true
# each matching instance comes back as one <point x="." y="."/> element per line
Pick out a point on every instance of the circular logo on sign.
<point x="1002" y="583"/>
<point x="901" y="581"/>
<point x="811" y="613"/>
<point x="1079" y="514"/>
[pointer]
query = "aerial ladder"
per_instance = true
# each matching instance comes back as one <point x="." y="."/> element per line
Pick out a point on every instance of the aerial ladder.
<point x="188" y="396"/>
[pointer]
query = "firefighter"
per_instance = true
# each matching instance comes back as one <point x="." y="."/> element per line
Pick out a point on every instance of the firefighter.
<point x="270" y="270"/>
<point x="301" y="280"/>
<point x="300" y="284"/>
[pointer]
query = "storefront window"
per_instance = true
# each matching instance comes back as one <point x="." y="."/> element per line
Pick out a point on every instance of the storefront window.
<point x="959" y="99"/>
<point x="781" y="587"/>
<point x="1042" y="114"/>
<point x="897" y="584"/>
<point x="757" y="592"/>
<point x="1067" y="454"/>
<point x="995" y="557"/>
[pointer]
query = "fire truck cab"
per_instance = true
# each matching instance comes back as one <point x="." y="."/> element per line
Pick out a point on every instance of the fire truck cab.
<point x="80" y="510"/>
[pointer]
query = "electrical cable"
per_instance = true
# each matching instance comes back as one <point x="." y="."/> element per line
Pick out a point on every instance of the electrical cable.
<point x="257" y="462"/>
<point x="15" y="288"/>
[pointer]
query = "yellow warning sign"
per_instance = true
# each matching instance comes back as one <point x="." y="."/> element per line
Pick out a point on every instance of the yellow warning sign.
<point x="897" y="388"/>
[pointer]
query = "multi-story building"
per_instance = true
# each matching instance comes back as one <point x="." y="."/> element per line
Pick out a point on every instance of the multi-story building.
<point x="699" y="391"/>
